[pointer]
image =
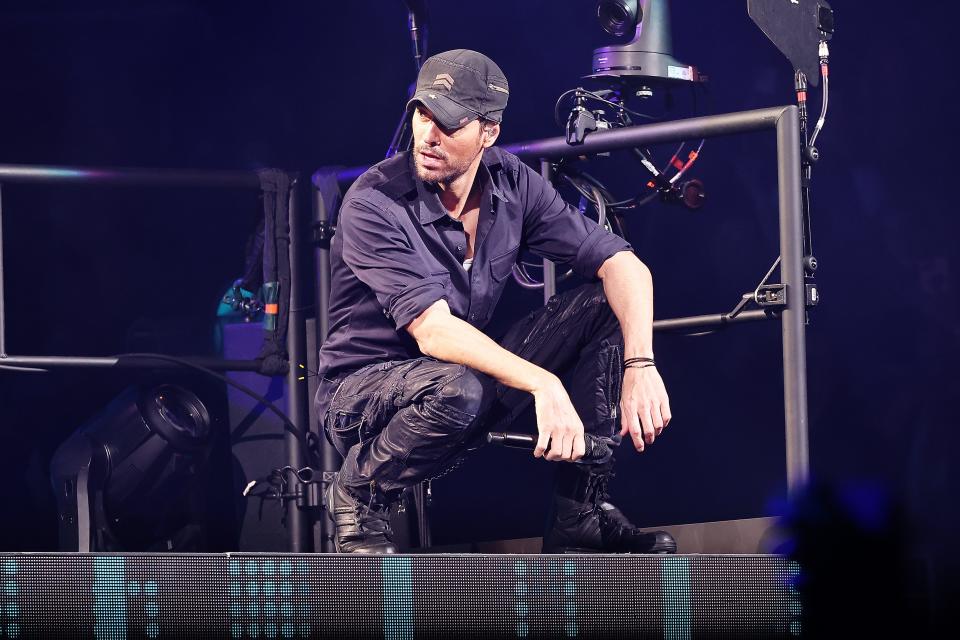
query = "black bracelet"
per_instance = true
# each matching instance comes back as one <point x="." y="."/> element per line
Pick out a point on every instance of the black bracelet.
<point x="640" y="366"/>
<point x="630" y="361"/>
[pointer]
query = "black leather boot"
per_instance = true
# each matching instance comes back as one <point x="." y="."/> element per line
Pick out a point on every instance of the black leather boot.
<point x="362" y="524"/>
<point x="584" y="521"/>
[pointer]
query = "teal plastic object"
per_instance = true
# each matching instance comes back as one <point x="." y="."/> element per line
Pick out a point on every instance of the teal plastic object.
<point x="271" y="294"/>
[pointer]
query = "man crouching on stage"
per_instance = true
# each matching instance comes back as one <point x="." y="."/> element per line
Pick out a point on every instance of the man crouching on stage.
<point x="425" y="245"/>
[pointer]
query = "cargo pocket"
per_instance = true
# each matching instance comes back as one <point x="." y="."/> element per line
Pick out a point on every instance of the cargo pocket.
<point x="343" y="430"/>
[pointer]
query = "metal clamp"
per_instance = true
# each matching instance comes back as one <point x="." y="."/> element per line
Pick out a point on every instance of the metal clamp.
<point x="775" y="295"/>
<point x="323" y="232"/>
<point x="771" y="295"/>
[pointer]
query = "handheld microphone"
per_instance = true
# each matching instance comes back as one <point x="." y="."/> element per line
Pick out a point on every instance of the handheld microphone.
<point x="596" y="449"/>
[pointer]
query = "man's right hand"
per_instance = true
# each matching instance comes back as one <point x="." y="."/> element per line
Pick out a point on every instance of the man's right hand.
<point x="445" y="337"/>
<point x="559" y="426"/>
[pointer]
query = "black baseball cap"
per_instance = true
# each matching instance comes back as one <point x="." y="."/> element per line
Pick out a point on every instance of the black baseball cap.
<point x="459" y="86"/>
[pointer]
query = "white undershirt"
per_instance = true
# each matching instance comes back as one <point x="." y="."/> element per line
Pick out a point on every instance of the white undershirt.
<point x="467" y="263"/>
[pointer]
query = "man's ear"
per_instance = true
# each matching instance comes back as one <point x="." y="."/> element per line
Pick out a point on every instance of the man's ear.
<point x="491" y="131"/>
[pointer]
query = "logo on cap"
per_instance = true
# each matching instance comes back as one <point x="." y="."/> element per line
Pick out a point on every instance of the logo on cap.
<point x="444" y="80"/>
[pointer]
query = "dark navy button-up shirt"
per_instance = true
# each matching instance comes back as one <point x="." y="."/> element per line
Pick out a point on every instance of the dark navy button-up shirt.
<point x="397" y="251"/>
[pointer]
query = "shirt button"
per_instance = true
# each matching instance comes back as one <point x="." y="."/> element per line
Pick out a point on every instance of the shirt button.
<point x="459" y="247"/>
<point x="473" y="316"/>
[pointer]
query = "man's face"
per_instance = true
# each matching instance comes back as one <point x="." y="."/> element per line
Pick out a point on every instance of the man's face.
<point x="440" y="155"/>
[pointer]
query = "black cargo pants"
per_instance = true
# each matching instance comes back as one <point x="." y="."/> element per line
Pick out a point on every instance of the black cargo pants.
<point x="401" y="422"/>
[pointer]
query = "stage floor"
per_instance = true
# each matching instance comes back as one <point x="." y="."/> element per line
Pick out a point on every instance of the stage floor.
<point x="401" y="597"/>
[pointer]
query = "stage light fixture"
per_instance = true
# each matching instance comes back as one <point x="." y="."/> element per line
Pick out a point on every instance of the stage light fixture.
<point x="619" y="17"/>
<point x="123" y="480"/>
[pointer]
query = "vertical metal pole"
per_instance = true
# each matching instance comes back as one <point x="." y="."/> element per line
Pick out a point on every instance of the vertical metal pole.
<point x="322" y="223"/>
<point x="298" y="524"/>
<point x="317" y="531"/>
<point x="3" y="326"/>
<point x="795" y="313"/>
<point x="549" y="270"/>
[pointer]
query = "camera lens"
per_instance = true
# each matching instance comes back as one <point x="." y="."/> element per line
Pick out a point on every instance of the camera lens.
<point x="618" y="17"/>
<point x="177" y="412"/>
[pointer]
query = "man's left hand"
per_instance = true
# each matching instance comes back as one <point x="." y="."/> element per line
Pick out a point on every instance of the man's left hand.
<point x="644" y="406"/>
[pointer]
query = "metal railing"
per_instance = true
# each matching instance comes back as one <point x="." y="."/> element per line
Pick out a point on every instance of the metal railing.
<point x="784" y="121"/>
<point x="298" y="524"/>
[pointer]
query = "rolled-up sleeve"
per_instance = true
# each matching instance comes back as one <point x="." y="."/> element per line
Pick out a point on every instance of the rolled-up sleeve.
<point x="557" y="231"/>
<point x="379" y="253"/>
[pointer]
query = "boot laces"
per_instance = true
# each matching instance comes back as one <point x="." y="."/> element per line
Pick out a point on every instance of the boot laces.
<point x="615" y="527"/>
<point x="596" y="494"/>
<point x="374" y="516"/>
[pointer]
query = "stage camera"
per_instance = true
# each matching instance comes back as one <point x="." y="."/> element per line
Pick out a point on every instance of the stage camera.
<point x="649" y="55"/>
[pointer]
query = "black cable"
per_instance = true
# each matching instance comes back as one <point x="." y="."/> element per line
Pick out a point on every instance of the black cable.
<point x="614" y="221"/>
<point x="304" y="437"/>
<point x="572" y="175"/>
<point x="593" y="96"/>
<point x="609" y="205"/>
<point x="576" y="185"/>
<point x="620" y="106"/>
<point x="634" y="202"/>
<point x="601" y="207"/>
<point x="607" y="194"/>
<point x="307" y="440"/>
<point x="825" y="75"/>
<point x="644" y="197"/>
<point x="596" y="195"/>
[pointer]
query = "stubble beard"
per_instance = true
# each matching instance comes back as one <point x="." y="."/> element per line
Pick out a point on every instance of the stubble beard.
<point x="444" y="176"/>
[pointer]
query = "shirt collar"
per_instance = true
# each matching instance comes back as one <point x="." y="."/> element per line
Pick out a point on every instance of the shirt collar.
<point x="430" y="207"/>
<point x="491" y="168"/>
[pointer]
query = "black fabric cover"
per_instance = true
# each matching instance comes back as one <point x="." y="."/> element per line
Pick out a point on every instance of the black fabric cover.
<point x="276" y="185"/>
<point x="326" y="183"/>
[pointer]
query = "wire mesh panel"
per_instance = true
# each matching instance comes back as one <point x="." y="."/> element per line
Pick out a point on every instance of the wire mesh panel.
<point x="115" y="597"/>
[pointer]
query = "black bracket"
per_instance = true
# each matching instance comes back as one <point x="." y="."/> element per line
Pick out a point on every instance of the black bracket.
<point x="771" y="295"/>
<point x="323" y="233"/>
<point x="581" y="122"/>
<point x="310" y="495"/>
<point x="775" y="295"/>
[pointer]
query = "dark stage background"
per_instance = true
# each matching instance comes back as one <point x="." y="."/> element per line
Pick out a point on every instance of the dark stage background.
<point x="299" y="85"/>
